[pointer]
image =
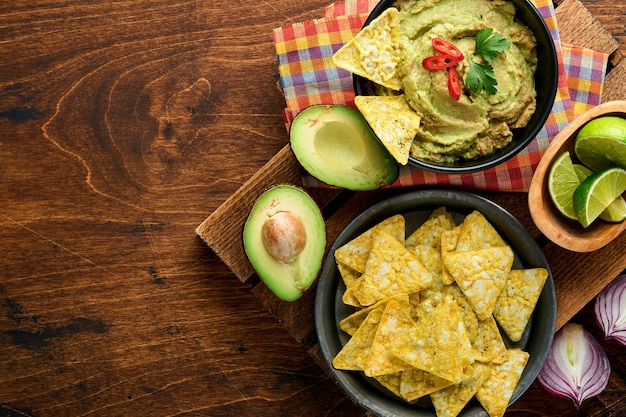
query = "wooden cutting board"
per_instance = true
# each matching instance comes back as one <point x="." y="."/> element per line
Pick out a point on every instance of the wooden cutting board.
<point x="222" y="229"/>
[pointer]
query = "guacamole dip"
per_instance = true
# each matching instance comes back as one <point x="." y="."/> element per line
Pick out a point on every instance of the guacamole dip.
<point x="477" y="123"/>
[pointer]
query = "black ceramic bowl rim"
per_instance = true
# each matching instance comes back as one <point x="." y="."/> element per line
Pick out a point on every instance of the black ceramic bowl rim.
<point x="546" y="84"/>
<point x="329" y="308"/>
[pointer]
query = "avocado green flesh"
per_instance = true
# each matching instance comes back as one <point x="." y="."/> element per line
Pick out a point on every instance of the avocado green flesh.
<point x="287" y="280"/>
<point x="336" y="145"/>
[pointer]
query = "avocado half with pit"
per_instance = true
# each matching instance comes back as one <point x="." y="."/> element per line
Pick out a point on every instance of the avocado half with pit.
<point x="336" y="145"/>
<point x="285" y="238"/>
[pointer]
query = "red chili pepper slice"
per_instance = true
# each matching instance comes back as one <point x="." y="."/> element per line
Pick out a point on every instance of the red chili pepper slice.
<point x="454" y="85"/>
<point x="437" y="62"/>
<point x="447" y="48"/>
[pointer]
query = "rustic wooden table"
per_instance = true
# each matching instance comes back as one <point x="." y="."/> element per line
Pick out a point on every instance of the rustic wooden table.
<point x="124" y="125"/>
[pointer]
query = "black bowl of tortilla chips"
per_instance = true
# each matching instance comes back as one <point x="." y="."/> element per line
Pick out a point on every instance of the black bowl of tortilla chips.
<point x="380" y="355"/>
<point x="438" y="146"/>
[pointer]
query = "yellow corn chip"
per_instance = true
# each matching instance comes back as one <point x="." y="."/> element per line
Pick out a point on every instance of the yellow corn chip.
<point x="477" y="233"/>
<point x="393" y="121"/>
<point x="488" y="343"/>
<point x="380" y="360"/>
<point x="436" y="343"/>
<point x="496" y="392"/>
<point x="449" y="239"/>
<point x="352" y="355"/>
<point x="354" y="254"/>
<point x="449" y="402"/>
<point x="348" y="275"/>
<point x="374" y="53"/>
<point x="415" y="383"/>
<point x="391" y="382"/>
<point x="481" y="274"/>
<point x="429" y="233"/>
<point x="390" y="270"/>
<point x="349" y="295"/>
<point x="517" y="301"/>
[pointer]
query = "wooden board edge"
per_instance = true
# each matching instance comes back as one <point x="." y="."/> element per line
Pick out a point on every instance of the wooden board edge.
<point x="222" y="230"/>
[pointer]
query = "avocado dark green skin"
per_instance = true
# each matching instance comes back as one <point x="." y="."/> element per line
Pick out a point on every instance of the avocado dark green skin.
<point x="336" y="145"/>
<point x="288" y="280"/>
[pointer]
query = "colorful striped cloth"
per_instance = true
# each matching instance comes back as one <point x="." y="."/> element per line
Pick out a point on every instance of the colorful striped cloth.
<point x="308" y="77"/>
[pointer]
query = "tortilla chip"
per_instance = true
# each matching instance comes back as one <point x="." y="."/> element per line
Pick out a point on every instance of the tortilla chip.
<point x="374" y="53"/>
<point x="380" y="360"/>
<point x="393" y="121"/>
<point x="354" y="254"/>
<point x="481" y="275"/>
<point x="449" y="402"/>
<point x="415" y="383"/>
<point x="477" y="233"/>
<point x="436" y="343"/>
<point x="449" y="239"/>
<point x="348" y="275"/>
<point x="488" y="343"/>
<point x="349" y="296"/>
<point x="390" y="270"/>
<point x="497" y="390"/>
<point x="517" y="301"/>
<point x="352" y="355"/>
<point x="391" y="382"/>
<point x="429" y="233"/>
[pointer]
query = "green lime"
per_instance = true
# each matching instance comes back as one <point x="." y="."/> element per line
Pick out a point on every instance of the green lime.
<point x="616" y="211"/>
<point x="562" y="181"/>
<point x="597" y="192"/>
<point x="582" y="172"/>
<point x="608" y="126"/>
<point x="602" y="142"/>
<point x="598" y="152"/>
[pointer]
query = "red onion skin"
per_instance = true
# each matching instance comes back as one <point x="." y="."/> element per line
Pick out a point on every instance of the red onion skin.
<point x="595" y="373"/>
<point x="607" y="309"/>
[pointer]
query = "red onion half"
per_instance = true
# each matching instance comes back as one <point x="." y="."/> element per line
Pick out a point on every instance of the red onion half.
<point x="576" y="366"/>
<point x="610" y="309"/>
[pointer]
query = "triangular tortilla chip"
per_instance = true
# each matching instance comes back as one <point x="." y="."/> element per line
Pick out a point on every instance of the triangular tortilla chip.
<point x="488" y="343"/>
<point x="348" y="275"/>
<point x="374" y="53"/>
<point x="481" y="275"/>
<point x="429" y="233"/>
<point x="354" y="254"/>
<point x="477" y="233"/>
<point x="449" y="239"/>
<point x="352" y="355"/>
<point x="450" y="401"/>
<point x="391" y="382"/>
<point x="393" y="121"/>
<point x="380" y="360"/>
<point x="436" y="343"/>
<point x="415" y="383"/>
<point x="496" y="392"/>
<point x="517" y="301"/>
<point x="390" y="270"/>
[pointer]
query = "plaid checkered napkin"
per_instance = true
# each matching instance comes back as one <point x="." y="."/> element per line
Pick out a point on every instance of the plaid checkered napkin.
<point x="309" y="77"/>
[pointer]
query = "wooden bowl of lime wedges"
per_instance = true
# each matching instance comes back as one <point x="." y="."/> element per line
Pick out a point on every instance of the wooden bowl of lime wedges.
<point x="576" y="196"/>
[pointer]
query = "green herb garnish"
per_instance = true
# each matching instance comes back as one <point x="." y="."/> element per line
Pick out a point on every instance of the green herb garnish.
<point x="481" y="75"/>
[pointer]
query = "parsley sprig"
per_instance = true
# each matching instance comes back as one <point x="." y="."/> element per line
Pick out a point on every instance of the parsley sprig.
<point x="481" y="76"/>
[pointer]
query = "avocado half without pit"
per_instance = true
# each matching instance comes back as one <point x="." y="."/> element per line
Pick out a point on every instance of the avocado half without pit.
<point x="336" y="145"/>
<point x="285" y="238"/>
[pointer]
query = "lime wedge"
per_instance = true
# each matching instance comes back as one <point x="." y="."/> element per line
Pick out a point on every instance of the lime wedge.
<point x="598" y="152"/>
<point x="613" y="127"/>
<point x="616" y="211"/>
<point x="562" y="181"/>
<point x="582" y="172"/>
<point x="597" y="192"/>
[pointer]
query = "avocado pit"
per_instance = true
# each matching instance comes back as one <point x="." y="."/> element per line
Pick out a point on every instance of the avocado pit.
<point x="284" y="236"/>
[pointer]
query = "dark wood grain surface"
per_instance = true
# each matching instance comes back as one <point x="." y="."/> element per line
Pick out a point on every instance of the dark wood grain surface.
<point x="123" y="125"/>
